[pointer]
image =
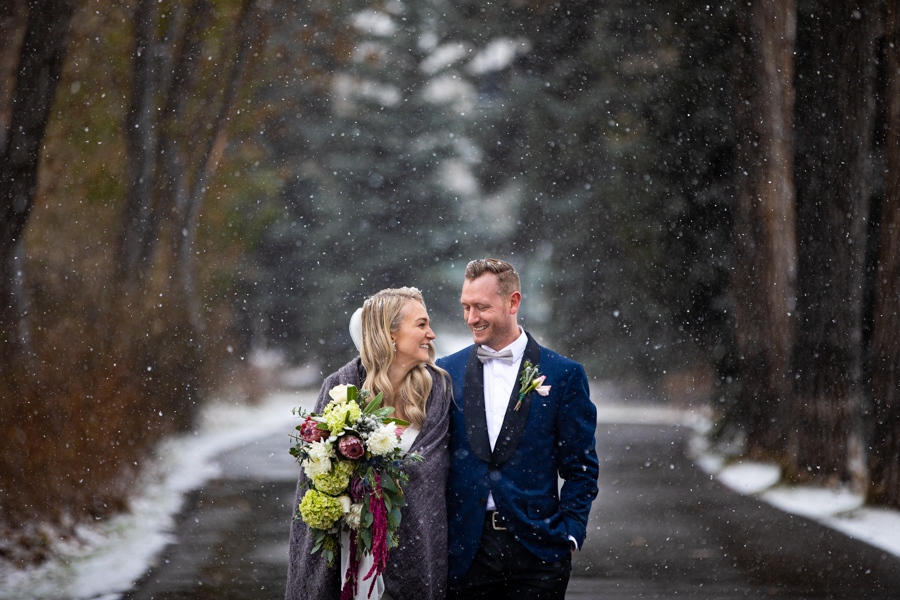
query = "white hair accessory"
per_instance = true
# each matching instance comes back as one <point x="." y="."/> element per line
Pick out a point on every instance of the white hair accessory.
<point x="356" y="328"/>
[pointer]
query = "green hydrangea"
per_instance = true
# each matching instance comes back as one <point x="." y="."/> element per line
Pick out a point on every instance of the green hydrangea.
<point x="320" y="510"/>
<point x="336" y="414"/>
<point x="336" y="481"/>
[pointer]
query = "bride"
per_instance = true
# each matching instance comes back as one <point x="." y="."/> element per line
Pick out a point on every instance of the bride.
<point x="396" y="359"/>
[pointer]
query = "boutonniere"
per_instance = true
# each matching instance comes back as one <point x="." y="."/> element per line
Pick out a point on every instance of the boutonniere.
<point x="531" y="380"/>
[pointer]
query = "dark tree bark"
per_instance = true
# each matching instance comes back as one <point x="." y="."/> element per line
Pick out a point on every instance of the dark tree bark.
<point x="159" y="94"/>
<point x="40" y="63"/>
<point x="764" y="228"/>
<point x="884" y="458"/>
<point x="13" y="16"/>
<point x="834" y="117"/>
<point x="135" y="244"/>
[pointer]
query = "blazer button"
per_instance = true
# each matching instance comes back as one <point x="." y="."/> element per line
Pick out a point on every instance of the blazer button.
<point x="483" y="500"/>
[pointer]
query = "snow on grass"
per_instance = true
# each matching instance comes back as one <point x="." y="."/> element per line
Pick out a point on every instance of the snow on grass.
<point x="110" y="556"/>
<point x="749" y="477"/>
<point x="877" y="526"/>
<point x="814" y="503"/>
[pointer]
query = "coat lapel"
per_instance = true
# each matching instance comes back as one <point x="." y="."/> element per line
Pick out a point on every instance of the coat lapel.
<point x="473" y="399"/>
<point x="514" y="422"/>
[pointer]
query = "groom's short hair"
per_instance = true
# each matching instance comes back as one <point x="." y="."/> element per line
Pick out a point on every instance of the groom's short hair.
<point x="507" y="278"/>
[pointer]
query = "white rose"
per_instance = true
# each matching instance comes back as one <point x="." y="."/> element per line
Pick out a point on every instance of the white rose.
<point x="382" y="440"/>
<point x="345" y="503"/>
<point x="339" y="392"/>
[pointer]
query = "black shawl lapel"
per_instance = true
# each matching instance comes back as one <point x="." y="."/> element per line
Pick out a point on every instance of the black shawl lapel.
<point x="473" y="399"/>
<point x="515" y="420"/>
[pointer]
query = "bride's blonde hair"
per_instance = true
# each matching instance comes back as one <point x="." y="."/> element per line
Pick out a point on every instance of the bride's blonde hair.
<point x="382" y="315"/>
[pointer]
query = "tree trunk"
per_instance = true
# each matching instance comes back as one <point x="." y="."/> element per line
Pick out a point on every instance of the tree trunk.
<point x="13" y="16"/>
<point x="187" y="213"/>
<point x="835" y="110"/>
<point x="153" y="73"/>
<point x="41" y="59"/>
<point x="884" y="458"/>
<point x="140" y="223"/>
<point x="765" y="244"/>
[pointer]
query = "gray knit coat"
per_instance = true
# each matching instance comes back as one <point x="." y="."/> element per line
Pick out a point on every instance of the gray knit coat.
<point x="417" y="567"/>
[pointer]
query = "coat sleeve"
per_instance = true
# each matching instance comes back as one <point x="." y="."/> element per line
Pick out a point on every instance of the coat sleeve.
<point x="577" y="458"/>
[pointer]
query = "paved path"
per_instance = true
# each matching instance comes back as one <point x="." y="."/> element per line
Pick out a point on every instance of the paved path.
<point x="660" y="528"/>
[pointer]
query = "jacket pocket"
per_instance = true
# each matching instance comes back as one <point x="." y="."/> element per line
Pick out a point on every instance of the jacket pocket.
<point x="541" y="509"/>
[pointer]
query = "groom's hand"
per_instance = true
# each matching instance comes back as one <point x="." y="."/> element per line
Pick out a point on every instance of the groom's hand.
<point x="571" y="548"/>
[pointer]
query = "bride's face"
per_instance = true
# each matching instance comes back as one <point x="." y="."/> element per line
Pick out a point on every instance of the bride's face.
<point x="414" y="336"/>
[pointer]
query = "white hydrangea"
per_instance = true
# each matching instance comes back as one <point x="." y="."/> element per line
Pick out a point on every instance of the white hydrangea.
<point x="382" y="440"/>
<point x="319" y="462"/>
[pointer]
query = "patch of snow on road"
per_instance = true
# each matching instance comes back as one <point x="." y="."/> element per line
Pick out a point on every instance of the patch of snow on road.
<point x="112" y="555"/>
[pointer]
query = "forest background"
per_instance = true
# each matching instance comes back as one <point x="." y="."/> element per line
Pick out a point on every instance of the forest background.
<point x="700" y="196"/>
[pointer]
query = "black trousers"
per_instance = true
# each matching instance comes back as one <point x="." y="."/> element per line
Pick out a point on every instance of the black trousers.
<point x="504" y="568"/>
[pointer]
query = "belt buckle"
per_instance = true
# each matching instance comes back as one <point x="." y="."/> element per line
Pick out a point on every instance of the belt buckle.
<point x="496" y="527"/>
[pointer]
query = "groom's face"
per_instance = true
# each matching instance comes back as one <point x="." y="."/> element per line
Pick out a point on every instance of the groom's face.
<point x="490" y="316"/>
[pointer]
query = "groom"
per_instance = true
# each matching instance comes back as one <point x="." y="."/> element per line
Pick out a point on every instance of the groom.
<point x="511" y="530"/>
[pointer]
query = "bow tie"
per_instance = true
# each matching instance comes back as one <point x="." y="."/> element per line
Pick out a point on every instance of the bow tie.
<point x="485" y="355"/>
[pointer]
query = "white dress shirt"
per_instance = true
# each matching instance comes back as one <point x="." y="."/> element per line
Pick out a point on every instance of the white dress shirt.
<point x="499" y="380"/>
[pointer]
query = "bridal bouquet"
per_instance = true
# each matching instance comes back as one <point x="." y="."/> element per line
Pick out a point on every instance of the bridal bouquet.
<point x="354" y="466"/>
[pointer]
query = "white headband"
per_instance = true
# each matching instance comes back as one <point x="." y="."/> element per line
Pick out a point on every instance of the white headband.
<point x="356" y="328"/>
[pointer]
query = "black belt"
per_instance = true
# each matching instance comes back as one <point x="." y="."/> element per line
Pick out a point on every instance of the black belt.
<point x="494" y="520"/>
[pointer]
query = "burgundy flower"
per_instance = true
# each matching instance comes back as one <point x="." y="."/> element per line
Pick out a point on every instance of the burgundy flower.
<point x="309" y="433"/>
<point x="358" y="489"/>
<point x="351" y="447"/>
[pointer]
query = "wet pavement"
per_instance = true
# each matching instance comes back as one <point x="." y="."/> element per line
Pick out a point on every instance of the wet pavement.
<point x="660" y="528"/>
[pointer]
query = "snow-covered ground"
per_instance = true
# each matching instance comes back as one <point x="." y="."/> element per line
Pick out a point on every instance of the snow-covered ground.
<point x="108" y="558"/>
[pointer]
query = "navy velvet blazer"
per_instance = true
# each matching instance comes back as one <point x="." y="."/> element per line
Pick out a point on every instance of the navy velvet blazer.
<point x="548" y="436"/>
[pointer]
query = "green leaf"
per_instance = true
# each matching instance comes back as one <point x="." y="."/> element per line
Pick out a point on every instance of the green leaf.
<point x="352" y="392"/>
<point x="366" y="536"/>
<point x="397" y="421"/>
<point x="394" y="517"/>
<point x="372" y="406"/>
<point x="389" y="484"/>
